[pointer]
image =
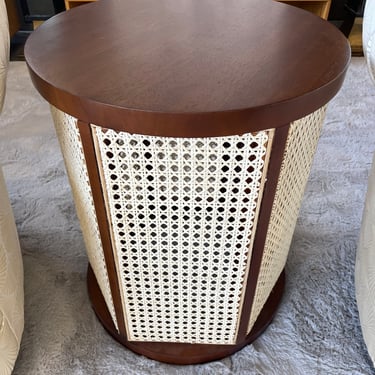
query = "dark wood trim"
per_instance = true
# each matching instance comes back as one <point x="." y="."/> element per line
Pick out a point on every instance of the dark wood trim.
<point x="276" y="159"/>
<point x="101" y="215"/>
<point x="183" y="354"/>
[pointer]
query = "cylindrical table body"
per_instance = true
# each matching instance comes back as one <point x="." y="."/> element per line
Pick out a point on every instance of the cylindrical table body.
<point x="188" y="211"/>
<point x="183" y="214"/>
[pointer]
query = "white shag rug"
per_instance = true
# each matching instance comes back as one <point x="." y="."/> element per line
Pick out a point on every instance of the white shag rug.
<point x="316" y="329"/>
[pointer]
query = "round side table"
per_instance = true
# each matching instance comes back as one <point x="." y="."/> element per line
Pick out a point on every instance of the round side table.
<point x="188" y="129"/>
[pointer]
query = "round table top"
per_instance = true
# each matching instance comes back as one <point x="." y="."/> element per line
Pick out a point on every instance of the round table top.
<point x="187" y="67"/>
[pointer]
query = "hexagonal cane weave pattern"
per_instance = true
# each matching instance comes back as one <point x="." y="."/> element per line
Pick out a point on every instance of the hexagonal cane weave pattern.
<point x="300" y="148"/>
<point x="182" y="212"/>
<point x="71" y="145"/>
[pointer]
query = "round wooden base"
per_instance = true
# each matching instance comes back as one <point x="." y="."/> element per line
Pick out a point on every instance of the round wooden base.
<point x="181" y="353"/>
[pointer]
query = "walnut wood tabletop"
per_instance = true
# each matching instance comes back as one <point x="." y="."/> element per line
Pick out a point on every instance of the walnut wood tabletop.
<point x="188" y="129"/>
<point x="186" y="67"/>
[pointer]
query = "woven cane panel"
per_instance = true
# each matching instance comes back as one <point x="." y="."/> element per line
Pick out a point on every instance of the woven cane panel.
<point x="182" y="212"/>
<point x="300" y="148"/>
<point x="71" y="145"/>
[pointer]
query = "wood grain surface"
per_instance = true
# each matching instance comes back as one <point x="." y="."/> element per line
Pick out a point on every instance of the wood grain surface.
<point x="187" y="67"/>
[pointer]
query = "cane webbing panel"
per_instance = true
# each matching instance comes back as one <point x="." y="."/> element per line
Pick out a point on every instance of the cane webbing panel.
<point x="71" y="146"/>
<point x="300" y="148"/>
<point x="182" y="212"/>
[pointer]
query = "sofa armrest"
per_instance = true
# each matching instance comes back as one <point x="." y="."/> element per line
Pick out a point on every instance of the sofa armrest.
<point x="4" y="50"/>
<point x="368" y="36"/>
<point x="11" y="285"/>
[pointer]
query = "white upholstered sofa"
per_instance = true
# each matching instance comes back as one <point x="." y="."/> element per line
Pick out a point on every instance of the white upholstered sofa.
<point x="11" y="269"/>
<point x="365" y="263"/>
<point x="4" y="50"/>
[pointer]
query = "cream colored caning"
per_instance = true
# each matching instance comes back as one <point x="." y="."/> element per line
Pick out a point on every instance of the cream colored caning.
<point x="182" y="212"/>
<point x="300" y="148"/>
<point x="71" y="146"/>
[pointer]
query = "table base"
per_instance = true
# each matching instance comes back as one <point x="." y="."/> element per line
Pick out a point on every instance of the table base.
<point x="181" y="353"/>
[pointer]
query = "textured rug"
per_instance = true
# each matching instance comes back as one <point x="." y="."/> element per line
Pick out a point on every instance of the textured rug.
<point x="316" y="329"/>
